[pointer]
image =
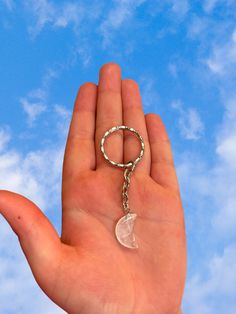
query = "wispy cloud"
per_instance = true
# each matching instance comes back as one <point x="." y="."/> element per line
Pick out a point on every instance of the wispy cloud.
<point x="33" y="108"/>
<point x="190" y="123"/>
<point x="223" y="58"/>
<point x="214" y="187"/>
<point x="63" y="118"/>
<point x="56" y="15"/>
<point x="150" y="97"/>
<point x="83" y="52"/>
<point x="43" y="11"/>
<point x="26" y="174"/>
<point x="35" y="102"/>
<point x="219" y="287"/>
<point x="70" y="13"/>
<point x="225" y="219"/>
<point x="117" y="16"/>
<point x="226" y="136"/>
<point x="209" y="190"/>
<point x="5" y="137"/>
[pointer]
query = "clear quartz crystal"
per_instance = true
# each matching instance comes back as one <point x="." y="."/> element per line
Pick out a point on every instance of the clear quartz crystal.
<point x="124" y="231"/>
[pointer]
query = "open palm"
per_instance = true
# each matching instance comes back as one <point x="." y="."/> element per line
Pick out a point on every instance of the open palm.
<point x="87" y="270"/>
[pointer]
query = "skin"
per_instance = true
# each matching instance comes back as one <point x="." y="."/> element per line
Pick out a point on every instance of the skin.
<point x="86" y="270"/>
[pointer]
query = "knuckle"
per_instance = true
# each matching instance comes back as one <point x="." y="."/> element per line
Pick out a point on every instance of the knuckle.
<point x="164" y="161"/>
<point x="106" y="122"/>
<point x="109" y="92"/>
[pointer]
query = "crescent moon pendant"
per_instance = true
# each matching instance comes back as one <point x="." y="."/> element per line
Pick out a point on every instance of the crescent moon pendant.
<point x="124" y="231"/>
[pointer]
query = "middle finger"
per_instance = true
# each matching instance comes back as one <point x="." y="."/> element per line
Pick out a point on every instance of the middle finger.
<point x="109" y="114"/>
<point x="133" y="116"/>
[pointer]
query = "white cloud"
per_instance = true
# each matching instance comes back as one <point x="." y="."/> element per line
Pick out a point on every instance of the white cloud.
<point x="225" y="172"/>
<point x="4" y="137"/>
<point x="64" y="117"/>
<point x="210" y="191"/>
<point x="106" y="20"/>
<point x="43" y="11"/>
<point x="35" y="102"/>
<point x="50" y="74"/>
<point x="224" y="221"/>
<point x="214" y="187"/>
<point x="223" y="58"/>
<point x="71" y="13"/>
<point x="226" y="137"/>
<point x="26" y="174"/>
<point x="32" y="109"/>
<point x="148" y="91"/>
<point x="117" y="16"/>
<point x="62" y="112"/>
<point x="114" y="17"/>
<point x="46" y="12"/>
<point x="215" y="292"/>
<point x="227" y="150"/>
<point x="190" y="124"/>
<point x="84" y="54"/>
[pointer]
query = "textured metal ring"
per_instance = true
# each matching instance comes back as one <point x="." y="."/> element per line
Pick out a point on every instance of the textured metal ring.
<point x="116" y="128"/>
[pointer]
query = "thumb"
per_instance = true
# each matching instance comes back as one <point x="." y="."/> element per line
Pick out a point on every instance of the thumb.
<point x="38" y="238"/>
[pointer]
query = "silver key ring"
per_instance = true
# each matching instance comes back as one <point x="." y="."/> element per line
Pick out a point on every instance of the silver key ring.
<point x="130" y="163"/>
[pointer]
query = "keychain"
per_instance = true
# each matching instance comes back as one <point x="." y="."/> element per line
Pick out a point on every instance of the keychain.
<point x="124" y="227"/>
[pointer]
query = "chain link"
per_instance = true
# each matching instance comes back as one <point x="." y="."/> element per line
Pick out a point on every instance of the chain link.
<point x="127" y="177"/>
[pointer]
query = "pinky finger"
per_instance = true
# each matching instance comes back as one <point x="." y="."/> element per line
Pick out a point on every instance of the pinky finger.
<point x="162" y="163"/>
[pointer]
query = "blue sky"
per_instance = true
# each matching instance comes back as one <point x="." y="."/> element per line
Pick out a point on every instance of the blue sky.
<point x="183" y="55"/>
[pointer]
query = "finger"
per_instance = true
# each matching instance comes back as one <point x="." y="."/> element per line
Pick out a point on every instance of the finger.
<point x="109" y="114"/>
<point x="133" y="116"/>
<point x="80" y="149"/>
<point x="38" y="238"/>
<point x="162" y="163"/>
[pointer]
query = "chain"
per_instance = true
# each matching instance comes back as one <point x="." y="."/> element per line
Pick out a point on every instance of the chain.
<point x="127" y="176"/>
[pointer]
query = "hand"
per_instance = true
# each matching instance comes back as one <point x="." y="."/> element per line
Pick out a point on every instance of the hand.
<point x="87" y="270"/>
